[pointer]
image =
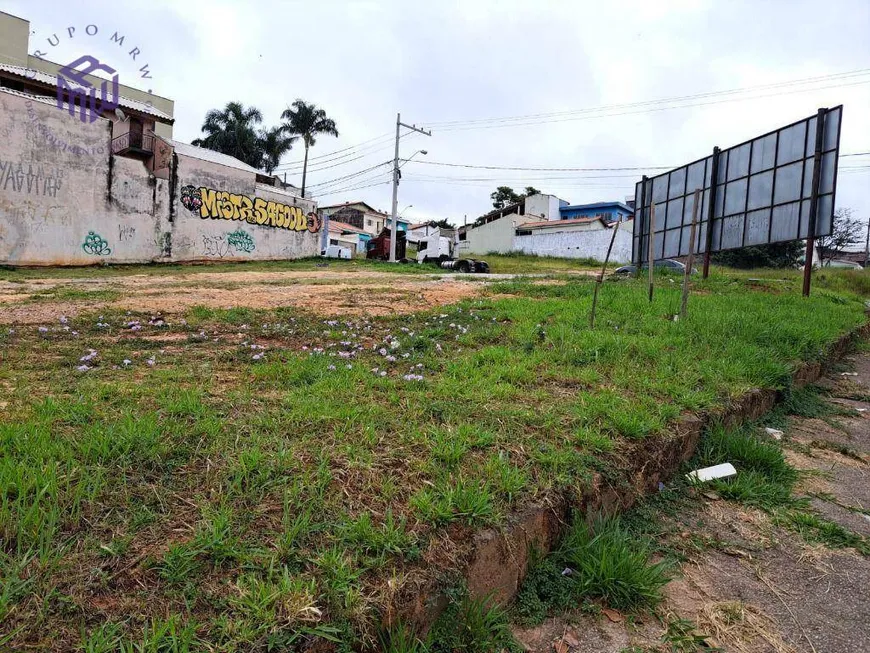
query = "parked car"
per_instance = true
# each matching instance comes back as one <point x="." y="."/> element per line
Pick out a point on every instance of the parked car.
<point x="336" y="251"/>
<point x="837" y="263"/>
<point x="665" y="263"/>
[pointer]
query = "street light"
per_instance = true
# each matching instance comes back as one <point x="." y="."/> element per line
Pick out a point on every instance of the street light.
<point x="402" y="212"/>
<point x="423" y="152"/>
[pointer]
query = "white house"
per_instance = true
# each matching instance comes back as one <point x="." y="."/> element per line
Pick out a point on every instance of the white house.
<point x="494" y="231"/>
<point x="575" y="238"/>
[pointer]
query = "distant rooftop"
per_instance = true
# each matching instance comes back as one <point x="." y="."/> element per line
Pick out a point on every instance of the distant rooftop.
<point x="596" y="205"/>
<point x="337" y="225"/>
<point x="211" y="156"/>
<point x="545" y="224"/>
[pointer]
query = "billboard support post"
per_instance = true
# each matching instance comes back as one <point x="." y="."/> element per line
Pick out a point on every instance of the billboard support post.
<point x="814" y="200"/>
<point x="684" y="305"/>
<point x="711" y="203"/>
<point x="651" y="258"/>
<point x="641" y="226"/>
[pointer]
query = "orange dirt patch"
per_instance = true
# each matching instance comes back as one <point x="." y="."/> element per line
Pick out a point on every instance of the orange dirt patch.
<point x="328" y="293"/>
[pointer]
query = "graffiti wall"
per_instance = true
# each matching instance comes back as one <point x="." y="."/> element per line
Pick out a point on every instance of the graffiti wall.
<point x="63" y="204"/>
<point x="217" y="204"/>
<point x="223" y="213"/>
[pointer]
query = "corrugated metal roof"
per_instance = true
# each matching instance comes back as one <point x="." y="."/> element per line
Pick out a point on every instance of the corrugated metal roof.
<point x="29" y="96"/>
<point x="211" y="156"/>
<point x="33" y="75"/>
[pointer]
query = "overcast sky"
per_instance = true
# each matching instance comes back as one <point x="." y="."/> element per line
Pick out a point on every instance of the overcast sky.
<point x="474" y="59"/>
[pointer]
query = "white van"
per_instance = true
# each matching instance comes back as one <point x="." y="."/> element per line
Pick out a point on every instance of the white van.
<point x="336" y="251"/>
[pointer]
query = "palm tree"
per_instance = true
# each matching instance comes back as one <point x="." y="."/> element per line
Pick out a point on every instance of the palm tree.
<point x="307" y="121"/>
<point x="274" y="144"/>
<point x="233" y="131"/>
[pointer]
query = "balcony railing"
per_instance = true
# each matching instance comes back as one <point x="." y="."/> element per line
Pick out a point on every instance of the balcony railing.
<point x="134" y="143"/>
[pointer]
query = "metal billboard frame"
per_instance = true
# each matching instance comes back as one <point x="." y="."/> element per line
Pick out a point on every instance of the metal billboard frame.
<point x="749" y="170"/>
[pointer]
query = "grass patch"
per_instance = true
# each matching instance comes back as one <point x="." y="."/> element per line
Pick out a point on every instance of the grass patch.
<point x="473" y="625"/>
<point x="814" y="528"/>
<point x="245" y="447"/>
<point x="606" y="562"/>
<point x="75" y="294"/>
<point x="764" y="478"/>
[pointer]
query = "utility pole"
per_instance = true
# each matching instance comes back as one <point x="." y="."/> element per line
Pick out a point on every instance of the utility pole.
<point x="867" y="246"/>
<point x="395" y="226"/>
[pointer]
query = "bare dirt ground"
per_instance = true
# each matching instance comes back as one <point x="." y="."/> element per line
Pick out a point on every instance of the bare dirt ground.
<point x="330" y="293"/>
<point x="762" y="589"/>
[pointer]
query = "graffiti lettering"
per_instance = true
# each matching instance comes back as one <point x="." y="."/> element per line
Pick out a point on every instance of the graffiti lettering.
<point x="33" y="180"/>
<point x="216" y="204"/>
<point x="228" y="244"/>
<point x="215" y="246"/>
<point x="95" y="245"/>
<point x="241" y="240"/>
<point x="126" y="232"/>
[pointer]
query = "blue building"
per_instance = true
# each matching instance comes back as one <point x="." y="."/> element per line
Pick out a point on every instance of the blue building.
<point x="607" y="211"/>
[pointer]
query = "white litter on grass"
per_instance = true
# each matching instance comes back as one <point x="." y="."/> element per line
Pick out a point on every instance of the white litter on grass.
<point x="725" y="470"/>
<point x="776" y="434"/>
<point x="848" y="373"/>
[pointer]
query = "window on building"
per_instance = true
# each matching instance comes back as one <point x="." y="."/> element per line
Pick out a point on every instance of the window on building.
<point x="378" y="227"/>
<point x="333" y="241"/>
<point x="369" y="222"/>
<point x="523" y="232"/>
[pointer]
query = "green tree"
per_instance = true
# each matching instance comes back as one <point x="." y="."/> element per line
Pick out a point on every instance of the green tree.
<point x="530" y="190"/>
<point x="274" y="144"/>
<point x="233" y="131"/>
<point x="306" y="120"/>
<point x="502" y="196"/>
<point x="442" y="224"/>
<point x="845" y="231"/>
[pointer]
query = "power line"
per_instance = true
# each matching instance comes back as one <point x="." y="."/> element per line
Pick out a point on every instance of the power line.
<point x="646" y="110"/>
<point x="339" y="180"/>
<point x="539" y="169"/>
<point x="330" y="163"/>
<point x="344" y="149"/>
<point x="345" y="190"/>
<point x="293" y="168"/>
<point x="745" y="89"/>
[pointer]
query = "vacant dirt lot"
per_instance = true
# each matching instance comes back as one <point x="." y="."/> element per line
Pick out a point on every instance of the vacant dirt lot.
<point x="345" y="292"/>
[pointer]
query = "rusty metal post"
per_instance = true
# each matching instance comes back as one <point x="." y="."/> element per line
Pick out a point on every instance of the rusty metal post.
<point x="651" y="257"/>
<point x="814" y="200"/>
<point x="684" y="306"/>
<point x="711" y="211"/>
<point x="600" y="279"/>
<point x="639" y="226"/>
